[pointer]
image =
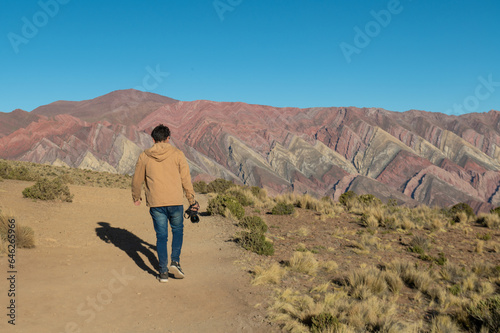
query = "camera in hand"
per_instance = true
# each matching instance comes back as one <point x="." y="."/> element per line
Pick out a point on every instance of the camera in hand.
<point x="192" y="214"/>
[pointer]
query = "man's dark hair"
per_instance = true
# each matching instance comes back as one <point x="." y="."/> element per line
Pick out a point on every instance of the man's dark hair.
<point x="160" y="133"/>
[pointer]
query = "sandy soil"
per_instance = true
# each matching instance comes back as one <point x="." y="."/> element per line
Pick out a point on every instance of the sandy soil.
<point x="94" y="265"/>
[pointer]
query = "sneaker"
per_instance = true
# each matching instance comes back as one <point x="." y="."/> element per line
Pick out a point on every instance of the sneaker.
<point x="175" y="269"/>
<point x="163" y="277"/>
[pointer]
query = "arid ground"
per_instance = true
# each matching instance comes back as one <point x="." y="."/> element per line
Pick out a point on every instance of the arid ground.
<point x="93" y="270"/>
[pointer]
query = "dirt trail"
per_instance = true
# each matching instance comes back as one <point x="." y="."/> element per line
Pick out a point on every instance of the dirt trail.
<point x="74" y="281"/>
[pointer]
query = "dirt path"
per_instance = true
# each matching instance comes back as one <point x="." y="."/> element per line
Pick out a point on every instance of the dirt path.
<point x="74" y="281"/>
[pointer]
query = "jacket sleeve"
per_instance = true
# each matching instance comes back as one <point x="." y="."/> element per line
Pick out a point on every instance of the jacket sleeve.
<point x="138" y="178"/>
<point x="186" y="179"/>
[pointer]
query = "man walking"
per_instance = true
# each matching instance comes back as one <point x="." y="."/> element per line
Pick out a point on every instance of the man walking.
<point x="165" y="172"/>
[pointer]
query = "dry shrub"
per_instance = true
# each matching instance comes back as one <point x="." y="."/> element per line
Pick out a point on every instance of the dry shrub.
<point x="437" y="293"/>
<point x="483" y="315"/>
<point x="491" y="221"/>
<point x="468" y="283"/>
<point x="479" y="246"/>
<point x="306" y="201"/>
<point x="303" y="262"/>
<point x="366" y="242"/>
<point x="366" y="282"/>
<point x="452" y="272"/>
<point x="443" y="324"/>
<point x="251" y="196"/>
<point x="270" y="275"/>
<point x="295" y="312"/>
<point x="418" y="279"/>
<point x="303" y="231"/>
<point x="242" y="194"/>
<point x="486" y="270"/>
<point x="373" y="216"/>
<point x="419" y="244"/>
<point x="322" y="288"/>
<point x="25" y="236"/>
<point x="370" y="221"/>
<point x="394" y="282"/>
<point x="372" y="314"/>
<point x="290" y="306"/>
<point x="283" y="208"/>
<point x="411" y="276"/>
<point x="461" y="217"/>
<point x="330" y="266"/>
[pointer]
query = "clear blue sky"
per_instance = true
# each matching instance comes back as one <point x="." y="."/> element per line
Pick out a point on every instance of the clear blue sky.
<point x="429" y="55"/>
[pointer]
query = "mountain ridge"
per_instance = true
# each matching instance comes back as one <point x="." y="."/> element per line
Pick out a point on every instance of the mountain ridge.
<point x="413" y="156"/>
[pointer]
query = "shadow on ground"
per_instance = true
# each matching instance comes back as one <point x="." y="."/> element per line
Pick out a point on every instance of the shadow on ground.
<point x="130" y="244"/>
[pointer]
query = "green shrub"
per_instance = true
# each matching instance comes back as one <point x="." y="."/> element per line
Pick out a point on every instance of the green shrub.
<point x="19" y="172"/>
<point x="282" y="208"/>
<point x="225" y="205"/>
<point x="4" y="169"/>
<point x="485" y="313"/>
<point x="392" y="203"/>
<point x="455" y="289"/>
<point x="441" y="260"/>
<point x="495" y="211"/>
<point x="419" y="244"/>
<point x="67" y="179"/>
<point x="324" y="322"/>
<point x="200" y="187"/>
<point x="254" y="223"/>
<point x="256" y="191"/>
<point x="219" y="185"/>
<point x="256" y="242"/>
<point x="346" y="197"/>
<point x="46" y="189"/>
<point x="462" y="207"/>
<point x="369" y="200"/>
<point x="241" y="197"/>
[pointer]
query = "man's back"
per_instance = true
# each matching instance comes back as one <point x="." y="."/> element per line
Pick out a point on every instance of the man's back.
<point x="165" y="172"/>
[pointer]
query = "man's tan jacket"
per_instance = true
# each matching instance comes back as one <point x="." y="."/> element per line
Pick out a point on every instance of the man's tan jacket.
<point x="165" y="172"/>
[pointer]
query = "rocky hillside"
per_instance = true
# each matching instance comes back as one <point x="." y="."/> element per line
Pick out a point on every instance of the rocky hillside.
<point x="412" y="157"/>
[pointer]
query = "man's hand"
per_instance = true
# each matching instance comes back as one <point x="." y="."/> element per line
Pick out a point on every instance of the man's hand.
<point x="195" y="207"/>
<point x="137" y="203"/>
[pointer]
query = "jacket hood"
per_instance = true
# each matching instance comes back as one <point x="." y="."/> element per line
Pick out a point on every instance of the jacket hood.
<point x="160" y="151"/>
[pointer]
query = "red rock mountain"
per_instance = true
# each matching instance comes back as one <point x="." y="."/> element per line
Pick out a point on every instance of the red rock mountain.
<point x="413" y="156"/>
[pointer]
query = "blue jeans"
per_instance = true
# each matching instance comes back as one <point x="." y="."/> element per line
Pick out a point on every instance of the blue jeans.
<point x="161" y="216"/>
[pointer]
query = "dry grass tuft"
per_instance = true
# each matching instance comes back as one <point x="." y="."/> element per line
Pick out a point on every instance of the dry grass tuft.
<point x="303" y="231"/>
<point x="271" y="275"/>
<point x="491" y="221"/>
<point x="330" y="266"/>
<point x="479" y="246"/>
<point x="327" y="207"/>
<point x="24" y="236"/>
<point x="304" y="262"/>
<point x="394" y="282"/>
<point x="322" y="288"/>
<point x="443" y="324"/>
<point x="366" y="282"/>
